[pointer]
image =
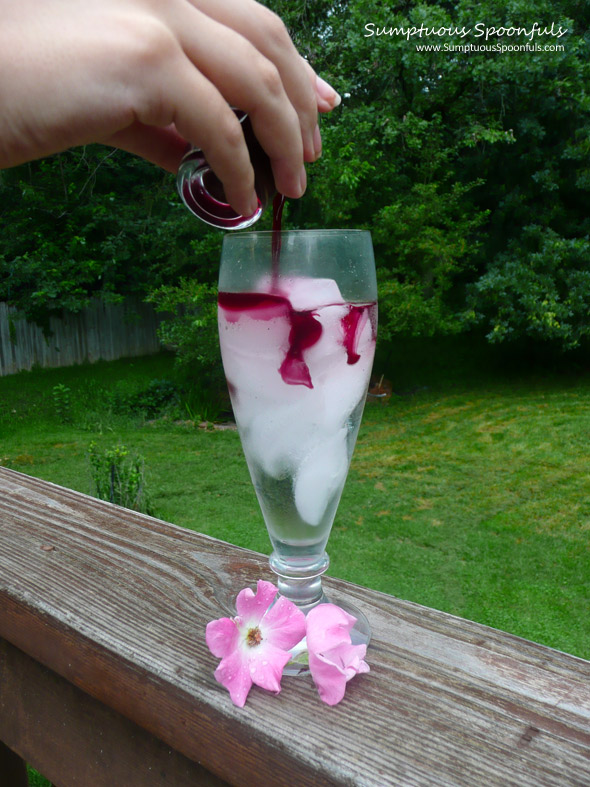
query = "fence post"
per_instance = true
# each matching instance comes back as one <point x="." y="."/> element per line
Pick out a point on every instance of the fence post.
<point x="13" y="771"/>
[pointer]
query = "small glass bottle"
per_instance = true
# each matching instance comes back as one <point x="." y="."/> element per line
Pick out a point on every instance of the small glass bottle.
<point x="202" y="191"/>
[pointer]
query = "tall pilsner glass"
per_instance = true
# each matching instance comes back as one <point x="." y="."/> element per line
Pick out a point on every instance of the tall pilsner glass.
<point x="297" y="333"/>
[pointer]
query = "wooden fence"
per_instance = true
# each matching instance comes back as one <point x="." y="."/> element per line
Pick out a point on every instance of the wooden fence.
<point x="101" y="331"/>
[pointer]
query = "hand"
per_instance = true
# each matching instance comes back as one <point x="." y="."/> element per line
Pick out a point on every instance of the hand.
<point x="147" y="76"/>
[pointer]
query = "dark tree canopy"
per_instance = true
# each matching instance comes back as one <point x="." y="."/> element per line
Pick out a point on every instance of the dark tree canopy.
<point x="471" y="168"/>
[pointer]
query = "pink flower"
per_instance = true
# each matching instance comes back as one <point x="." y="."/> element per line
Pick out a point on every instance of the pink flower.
<point x="333" y="659"/>
<point x="254" y="646"/>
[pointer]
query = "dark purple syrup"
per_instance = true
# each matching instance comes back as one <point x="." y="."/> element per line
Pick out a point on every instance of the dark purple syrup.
<point x="203" y="192"/>
<point x="199" y="197"/>
<point x="305" y="332"/>
<point x="278" y="204"/>
<point x="351" y="325"/>
<point x="305" y="329"/>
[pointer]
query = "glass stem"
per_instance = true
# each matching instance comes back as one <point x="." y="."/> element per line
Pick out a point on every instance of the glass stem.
<point x="302" y="584"/>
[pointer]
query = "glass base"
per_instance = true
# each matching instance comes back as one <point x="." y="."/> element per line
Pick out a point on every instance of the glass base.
<point x="301" y="582"/>
<point x="360" y="634"/>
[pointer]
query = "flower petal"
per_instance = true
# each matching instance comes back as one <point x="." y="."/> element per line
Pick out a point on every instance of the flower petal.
<point x="266" y="667"/>
<point x="328" y="626"/>
<point x="283" y="625"/>
<point x="333" y="659"/>
<point x="329" y="680"/>
<point x="233" y="673"/>
<point x="349" y="659"/>
<point x="331" y="671"/>
<point x="252" y="606"/>
<point x="221" y="637"/>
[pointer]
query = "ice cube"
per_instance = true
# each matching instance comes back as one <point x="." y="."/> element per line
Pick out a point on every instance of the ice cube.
<point x="306" y="294"/>
<point x="280" y="435"/>
<point x="252" y="354"/>
<point x="321" y="475"/>
<point x="342" y="384"/>
<point x="327" y="355"/>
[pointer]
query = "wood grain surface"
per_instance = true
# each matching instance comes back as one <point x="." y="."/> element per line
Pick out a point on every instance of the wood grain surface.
<point x="73" y="739"/>
<point x="117" y="603"/>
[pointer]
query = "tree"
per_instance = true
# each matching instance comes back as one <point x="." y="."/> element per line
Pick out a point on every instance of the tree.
<point x="451" y="156"/>
<point x="94" y="222"/>
<point x="470" y="167"/>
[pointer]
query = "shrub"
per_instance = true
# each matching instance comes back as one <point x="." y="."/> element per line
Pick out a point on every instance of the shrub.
<point x="190" y="328"/>
<point x="118" y="476"/>
<point x="149" y="401"/>
<point x="62" y="402"/>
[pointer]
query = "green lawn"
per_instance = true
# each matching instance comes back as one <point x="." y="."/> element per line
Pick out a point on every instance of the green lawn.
<point x="468" y="494"/>
<point x="478" y="502"/>
<point x="469" y="490"/>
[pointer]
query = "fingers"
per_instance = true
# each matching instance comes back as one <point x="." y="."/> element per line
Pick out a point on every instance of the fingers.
<point x="209" y="123"/>
<point x="327" y="98"/>
<point x="268" y="35"/>
<point x="250" y="81"/>
<point x="150" y="76"/>
<point x="162" y="146"/>
<point x="233" y="53"/>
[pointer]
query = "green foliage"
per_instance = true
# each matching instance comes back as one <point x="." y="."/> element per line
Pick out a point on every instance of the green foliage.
<point x="151" y="401"/>
<point x="107" y="396"/>
<point x="36" y="780"/>
<point x="191" y="329"/>
<point x="422" y="247"/>
<point x="118" y="476"/>
<point x="547" y="298"/>
<point x="204" y="405"/>
<point x="62" y="402"/>
<point x="449" y="157"/>
<point x="91" y="222"/>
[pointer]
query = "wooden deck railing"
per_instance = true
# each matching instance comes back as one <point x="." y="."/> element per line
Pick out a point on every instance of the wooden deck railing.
<point x="105" y="678"/>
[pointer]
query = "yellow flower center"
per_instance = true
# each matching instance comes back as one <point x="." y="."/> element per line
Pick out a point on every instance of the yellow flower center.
<point x="254" y="637"/>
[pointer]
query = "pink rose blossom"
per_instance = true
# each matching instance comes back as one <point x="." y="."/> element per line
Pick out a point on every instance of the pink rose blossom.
<point x="333" y="659"/>
<point x="254" y="646"/>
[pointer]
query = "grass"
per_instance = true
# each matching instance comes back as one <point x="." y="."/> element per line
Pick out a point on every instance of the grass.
<point x="469" y="490"/>
<point x="36" y="780"/>
<point x="478" y="503"/>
